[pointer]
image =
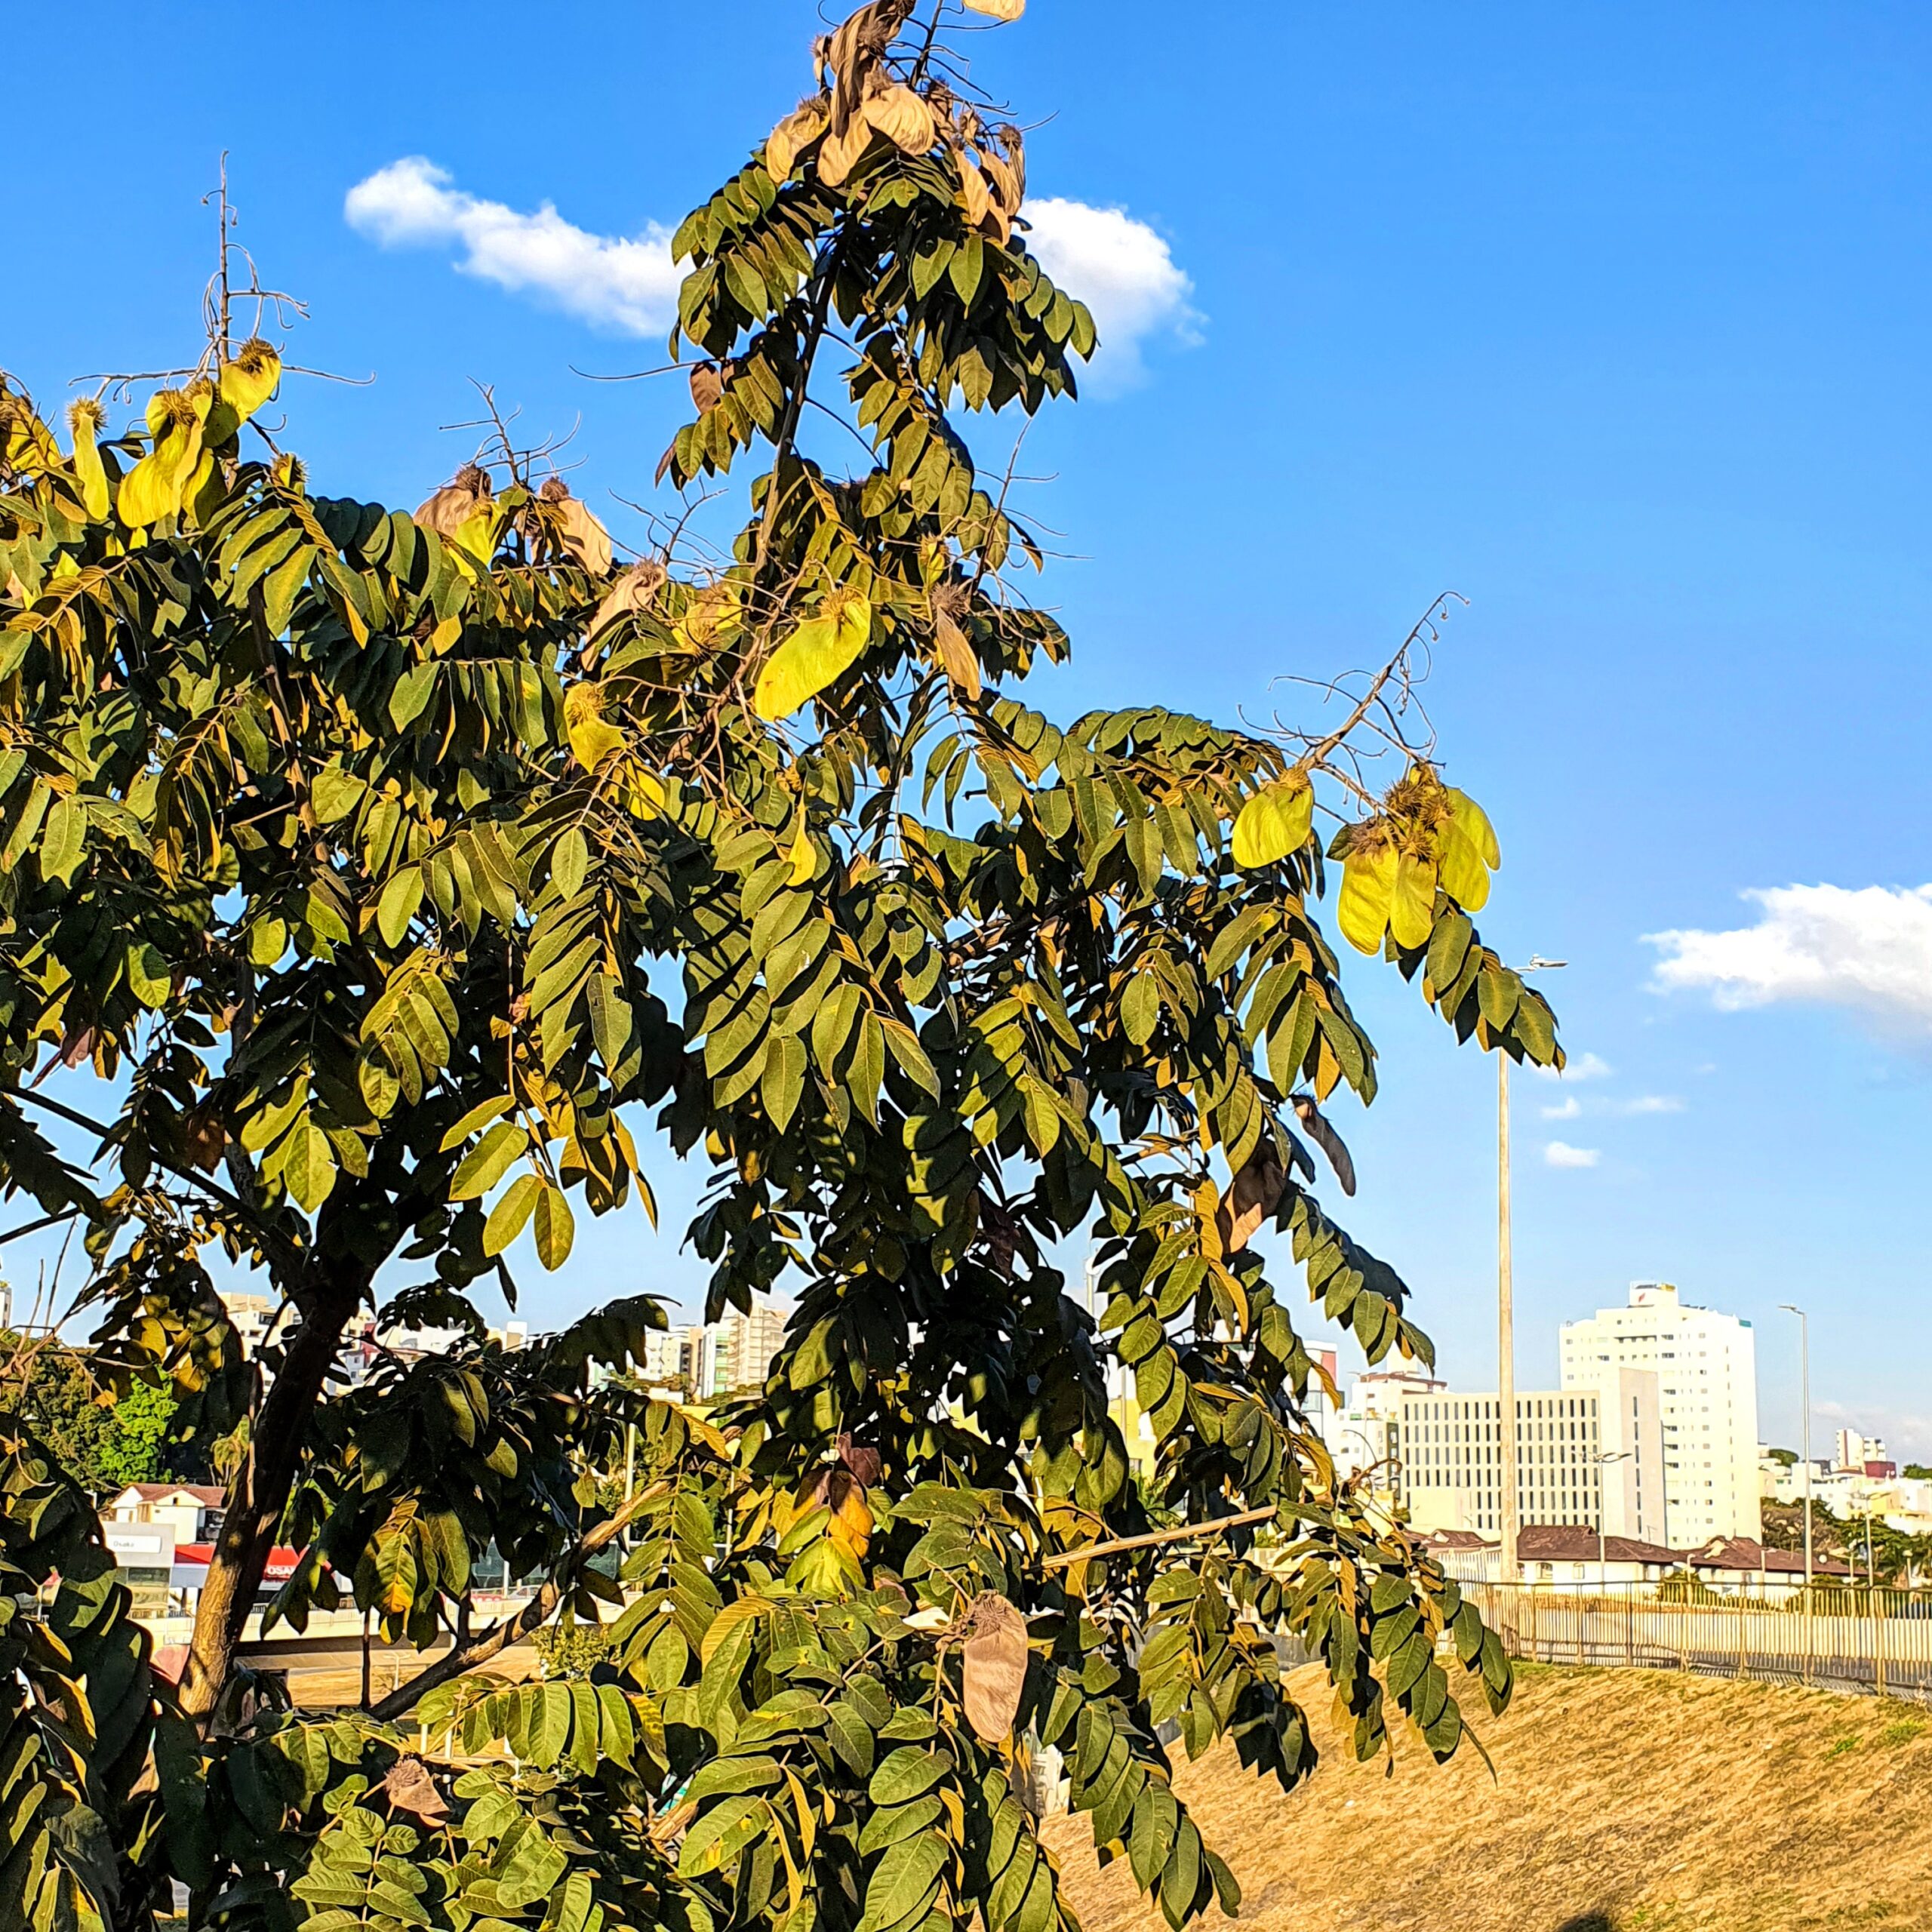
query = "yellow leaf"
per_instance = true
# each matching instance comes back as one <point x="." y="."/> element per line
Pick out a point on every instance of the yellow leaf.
<point x="1274" y="822"/>
<point x="1412" y="903"/>
<point x="250" y="380"/>
<point x="592" y="740"/>
<point x="803" y="855"/>
<point x="999" y="10"/>
<point x="822" y="649"/>
<point x="1368" y="884"/>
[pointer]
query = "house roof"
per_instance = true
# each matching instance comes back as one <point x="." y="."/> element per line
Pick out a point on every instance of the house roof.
<point x="1456" y="1540"/>
<point x="208" y="1495"/>
<point x="1578" y="1543"/>
<point x="1745" y="1553"/>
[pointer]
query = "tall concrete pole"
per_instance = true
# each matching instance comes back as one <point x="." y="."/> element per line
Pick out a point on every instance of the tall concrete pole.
<point x="1506" y="1313"/>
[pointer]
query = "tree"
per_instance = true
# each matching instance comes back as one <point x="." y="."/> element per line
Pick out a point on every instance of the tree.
<point x="391" y="868"/>
<point x="103" y="1444"/>
<point x="1918" y="1472"/>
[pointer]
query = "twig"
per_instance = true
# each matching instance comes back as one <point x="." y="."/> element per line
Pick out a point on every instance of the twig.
<point x="1068" y="1558"/>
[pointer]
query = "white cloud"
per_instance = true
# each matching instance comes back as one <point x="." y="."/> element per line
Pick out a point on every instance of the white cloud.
<point x="1560" y="1154"/>
<point x="1122" y="270"/>
<point x="1581" y="1066"/>
<point x="629" y="285"/>
<point x="1650" y="1103"/>
<point x="1119" y="267"/>
<point x="1867" y="948"/>
<point x="1568" y="1108"/>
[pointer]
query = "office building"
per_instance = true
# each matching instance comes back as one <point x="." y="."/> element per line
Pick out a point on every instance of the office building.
<point x="1588" y="1456"/>
<point x="1706" y="1368"/>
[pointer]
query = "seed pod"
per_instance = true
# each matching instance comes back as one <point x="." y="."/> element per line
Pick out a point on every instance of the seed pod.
<point x="85" y="417"/>
<point x="249" y="379"/>
<point x="840" y="153"/>
<point x="592" y="740"/>
<point x="1315" y="1124"/>
<point x="1255" y="1195"/>
<point x="464" y="511"/>
<point x="995" y="1667"/>
<point x="1412" y="902"/>
<point x="951" y="645"/>
<point x="154" y="488"/>
<point x="1368" y="884"/>
<point x="973" y="190"/>
<point x="794" y="134"/>
<point x="578" y="531"/>
<point x="633" y="591"/>
<point x="1274" y="822"/>
<point x="901" y="117"/>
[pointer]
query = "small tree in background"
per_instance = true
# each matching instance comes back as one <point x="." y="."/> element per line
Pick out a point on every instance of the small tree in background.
<point x="384" y="871"/>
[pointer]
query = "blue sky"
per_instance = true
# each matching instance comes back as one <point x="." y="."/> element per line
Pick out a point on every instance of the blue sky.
<point x="1610" y="317"/>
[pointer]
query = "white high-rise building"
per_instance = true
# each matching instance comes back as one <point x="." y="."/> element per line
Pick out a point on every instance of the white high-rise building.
<point x="1859" y="1452"/>
<point x="1591" y="1458"/>
<point x="1706" y="1365"/>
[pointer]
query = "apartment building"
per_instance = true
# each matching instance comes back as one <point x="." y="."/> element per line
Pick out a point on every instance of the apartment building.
<point x="1588" y="1456"/>
<point x="1706" y="1367"/>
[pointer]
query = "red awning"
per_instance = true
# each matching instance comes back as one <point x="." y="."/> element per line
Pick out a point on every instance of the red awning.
<point x="281" y="1564"/>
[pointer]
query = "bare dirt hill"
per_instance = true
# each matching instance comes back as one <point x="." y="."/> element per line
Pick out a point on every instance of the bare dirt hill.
<point x="1625" y="1801"/>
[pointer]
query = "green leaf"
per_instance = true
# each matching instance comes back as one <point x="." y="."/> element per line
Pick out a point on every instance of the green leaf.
<point x="906" y="1774"/>
<point x="397" y="906"/>
<point x="569" y="861"/>
<point x="507" y="1217"/>
<point x="487" y="1162"/>
<point x="556" y="1228"/>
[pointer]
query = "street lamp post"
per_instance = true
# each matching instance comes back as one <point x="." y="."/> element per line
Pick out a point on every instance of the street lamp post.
<point x="1604" y="1463"/>
<point x="1804" y="1434"/>
<point x="1505" y="1309"/>
<point x="1805" y="1428"/>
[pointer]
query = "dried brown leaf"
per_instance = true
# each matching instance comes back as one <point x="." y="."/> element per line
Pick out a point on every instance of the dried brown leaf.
<point x="707" y="387"/>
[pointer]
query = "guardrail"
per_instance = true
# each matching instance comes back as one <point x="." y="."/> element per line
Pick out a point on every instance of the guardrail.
<point x="1849" y="1638"/>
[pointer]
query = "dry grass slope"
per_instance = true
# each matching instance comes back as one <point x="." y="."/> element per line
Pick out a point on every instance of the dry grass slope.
<point x="1625" y="1801"/>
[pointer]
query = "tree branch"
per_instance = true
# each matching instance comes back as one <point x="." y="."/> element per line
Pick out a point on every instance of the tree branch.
<point x="271" y="1237"/>
<point x="533" y="1617"/>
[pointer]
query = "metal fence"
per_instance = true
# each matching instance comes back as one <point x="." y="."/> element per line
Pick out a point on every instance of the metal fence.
<point x="1844" y="1637"/>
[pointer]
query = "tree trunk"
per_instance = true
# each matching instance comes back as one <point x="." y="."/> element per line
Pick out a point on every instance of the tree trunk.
<point x="258" y="1492"/>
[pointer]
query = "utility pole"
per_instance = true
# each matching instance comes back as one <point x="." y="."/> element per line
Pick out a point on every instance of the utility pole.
<point x="1804" y="1433"/>
<point x="1510" y="1569"/>
<point x="1505" y="1339"/>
